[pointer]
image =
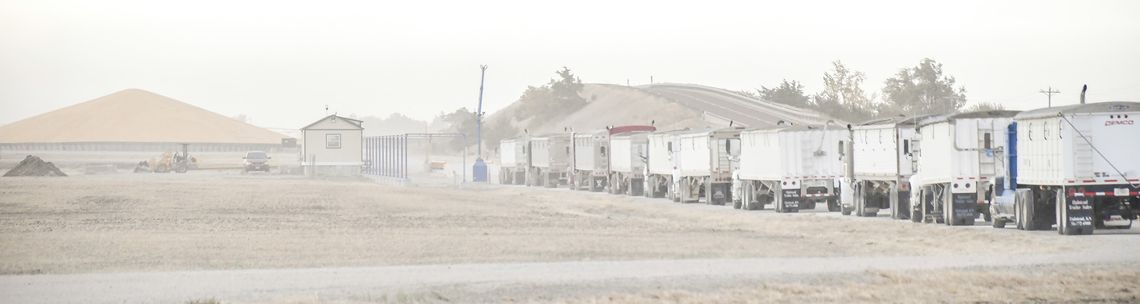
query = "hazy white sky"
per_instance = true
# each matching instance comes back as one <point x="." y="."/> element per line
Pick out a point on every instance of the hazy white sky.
<point x="280" y="62"/>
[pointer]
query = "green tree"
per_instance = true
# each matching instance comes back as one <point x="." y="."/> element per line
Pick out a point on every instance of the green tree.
<point x="461" y="121"/>
<point x="536" y="102"/>
<point x="567" y="89"/>
<point x="559" y="96"/>
<point x="497" y="130"/>
<point x="923" y="89"/>
<point x="843" y="96"/>
<point x="788" y="92"/>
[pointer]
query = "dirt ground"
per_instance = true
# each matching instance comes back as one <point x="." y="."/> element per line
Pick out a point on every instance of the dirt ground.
<point x="155" y="223"/>
<point x="1108" y="283"/>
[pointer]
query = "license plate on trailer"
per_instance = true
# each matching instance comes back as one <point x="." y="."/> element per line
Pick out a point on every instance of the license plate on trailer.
<point x="1120" y="192"/>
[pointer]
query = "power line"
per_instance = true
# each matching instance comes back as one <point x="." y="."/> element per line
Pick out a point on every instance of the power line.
<point x="1050" y="93"/>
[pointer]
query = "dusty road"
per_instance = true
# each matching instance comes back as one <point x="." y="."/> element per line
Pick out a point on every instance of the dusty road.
<point x="164" y="238"/>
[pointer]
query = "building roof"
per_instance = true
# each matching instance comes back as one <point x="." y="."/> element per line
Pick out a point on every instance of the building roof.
<point x="135" y="116"/>
<point x="1098" y="107"/>
<point x="359" y="124"/>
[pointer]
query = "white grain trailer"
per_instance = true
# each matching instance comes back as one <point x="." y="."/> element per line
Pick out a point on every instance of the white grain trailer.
<point x="882" y="166"/>
<point x="591" y="161"/>
<point x="514" y="161"/>
<point x="1072" y="166"/>
<point x="792" y="167"/>
<point x="628" y="161"/>
<point x="705" y="164"/>
<point x="550" y="159"/>
<point x="957" y="155"/>
<point x="663" y="159"/>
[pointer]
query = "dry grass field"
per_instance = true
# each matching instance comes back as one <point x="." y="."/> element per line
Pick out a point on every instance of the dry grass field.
<point x="155" y="223"/>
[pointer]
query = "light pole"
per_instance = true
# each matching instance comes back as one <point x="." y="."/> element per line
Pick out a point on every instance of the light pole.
<point x="479" y="170"/>
<point x="479" y="114"/>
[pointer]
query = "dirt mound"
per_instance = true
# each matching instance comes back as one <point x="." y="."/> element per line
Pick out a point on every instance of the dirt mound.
<point x="34" y="166"/>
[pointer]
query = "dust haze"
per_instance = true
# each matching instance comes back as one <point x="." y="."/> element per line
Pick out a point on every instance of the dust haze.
<point x="355" y="152"/>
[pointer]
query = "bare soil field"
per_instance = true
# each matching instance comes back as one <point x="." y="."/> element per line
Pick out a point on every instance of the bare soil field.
<point x="1102" y="283"/>
<point x="84" y="226"/>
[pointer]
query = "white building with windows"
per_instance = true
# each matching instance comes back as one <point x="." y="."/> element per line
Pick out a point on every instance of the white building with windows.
<point x="332" y="146"/>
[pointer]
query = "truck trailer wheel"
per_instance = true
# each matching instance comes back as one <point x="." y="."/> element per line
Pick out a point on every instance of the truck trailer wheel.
<point x="741" y="202"/>
<point x="1018" y="215"/>
<point x="1029" y="218"/>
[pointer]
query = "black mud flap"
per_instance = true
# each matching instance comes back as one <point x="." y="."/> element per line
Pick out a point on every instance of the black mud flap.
<point x="1078" y="216"/>
<point x="791" y="199"/>
<point x="965" y="209"/>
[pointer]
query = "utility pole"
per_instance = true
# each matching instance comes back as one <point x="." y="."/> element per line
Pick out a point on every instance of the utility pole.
<point x="1050" y="93"/>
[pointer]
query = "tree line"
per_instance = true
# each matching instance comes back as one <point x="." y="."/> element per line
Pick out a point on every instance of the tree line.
<point x="918" y="90"/>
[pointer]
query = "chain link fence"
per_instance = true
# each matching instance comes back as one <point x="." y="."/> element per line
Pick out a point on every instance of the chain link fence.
<point x="419" y="158"/>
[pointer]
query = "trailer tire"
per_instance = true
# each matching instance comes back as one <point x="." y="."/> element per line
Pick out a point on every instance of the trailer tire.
<point x="650" y="186"/>
<point x="1018" y="215"/>
<point x="1029" y="222"/>
<point x="708" y="188"/>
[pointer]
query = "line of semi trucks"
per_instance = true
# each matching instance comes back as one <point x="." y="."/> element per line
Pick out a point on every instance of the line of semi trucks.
<point x="1070" y="167"/>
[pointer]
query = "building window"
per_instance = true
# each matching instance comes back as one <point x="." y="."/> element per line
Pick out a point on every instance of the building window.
<point x="332" y="141"/>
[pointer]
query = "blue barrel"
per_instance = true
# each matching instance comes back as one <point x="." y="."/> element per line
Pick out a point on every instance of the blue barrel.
<point x="479" y="171"/>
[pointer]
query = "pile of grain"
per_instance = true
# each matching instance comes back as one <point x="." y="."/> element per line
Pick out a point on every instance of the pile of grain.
<point x="34" y="166"/>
